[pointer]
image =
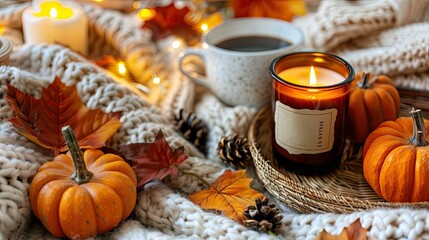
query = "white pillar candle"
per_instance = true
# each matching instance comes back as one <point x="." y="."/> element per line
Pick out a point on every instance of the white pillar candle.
<point x="56" y="22"/>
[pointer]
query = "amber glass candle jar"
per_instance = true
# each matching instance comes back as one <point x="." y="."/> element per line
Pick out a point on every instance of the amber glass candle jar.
<point x="310" y="101"/>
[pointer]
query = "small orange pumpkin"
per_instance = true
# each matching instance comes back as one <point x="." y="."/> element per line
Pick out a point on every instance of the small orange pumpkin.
<point x="396" y="159"/>
<point x="372" y="101"/>
<point x="79" y="202"/>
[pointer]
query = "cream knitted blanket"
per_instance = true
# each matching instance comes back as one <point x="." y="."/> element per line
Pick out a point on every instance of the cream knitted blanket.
<point x="387" y="37"/>
<point x="163" y="210"/>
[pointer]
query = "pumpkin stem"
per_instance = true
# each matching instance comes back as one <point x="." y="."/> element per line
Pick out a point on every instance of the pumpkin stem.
<point x="419" y="131"/>
<point x="81" y="173"/>
<point x="364" y="82"/>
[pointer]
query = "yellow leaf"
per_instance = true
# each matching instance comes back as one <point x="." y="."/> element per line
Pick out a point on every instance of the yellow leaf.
<point x="230" y="194"/>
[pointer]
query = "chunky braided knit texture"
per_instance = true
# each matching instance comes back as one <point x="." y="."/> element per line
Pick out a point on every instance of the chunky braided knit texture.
<point x="141" y="122"/>
<point x="382" y="37"/>
<point x="163" y="210"/>
<point x="338" y="21"/>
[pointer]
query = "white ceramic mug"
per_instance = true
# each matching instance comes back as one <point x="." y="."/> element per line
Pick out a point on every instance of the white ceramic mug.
<point x="241" y="77"/>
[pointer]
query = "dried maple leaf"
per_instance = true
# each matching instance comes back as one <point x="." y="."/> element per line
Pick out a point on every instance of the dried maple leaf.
<point x="230" y="193"/>
<point x="41" y="120"/>
<point x="169" y="20"/>
<point x="354" y="232"/>
<point x="153" y="160"/>
<point x="284" y="10"/>
<point x="106" y="61"/>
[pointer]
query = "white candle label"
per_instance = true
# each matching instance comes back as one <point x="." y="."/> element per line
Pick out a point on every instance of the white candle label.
<point x="304" y="131"/>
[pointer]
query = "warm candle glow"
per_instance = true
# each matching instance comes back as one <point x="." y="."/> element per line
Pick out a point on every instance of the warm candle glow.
<point x="54" y="10"/>
<point x="2" y="29"/>
<point x="313" y="80"/>
<point x="311" y="76"/>
<point x="121" y="68"/>
<point x="53" y="13"/>
<point x="52" y="21"/>
<point x="310" y="100"/>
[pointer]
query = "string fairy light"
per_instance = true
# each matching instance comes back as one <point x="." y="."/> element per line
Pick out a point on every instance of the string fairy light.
<point x="146" y="14"/>
<point x="168" y="49"/>
<point x="122" y="70"/>
<point x="156" y="80"/>
<point x="204" y="27"/>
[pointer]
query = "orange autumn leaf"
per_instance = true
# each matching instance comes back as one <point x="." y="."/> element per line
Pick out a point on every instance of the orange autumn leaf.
<point x="41" y="120"/>
<point x="354" y="232"/>
<point x="230" y="194"/>
<point x="280" y="9"/>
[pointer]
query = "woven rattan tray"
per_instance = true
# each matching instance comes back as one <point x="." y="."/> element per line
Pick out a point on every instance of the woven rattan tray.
<point x="342" y="191"/>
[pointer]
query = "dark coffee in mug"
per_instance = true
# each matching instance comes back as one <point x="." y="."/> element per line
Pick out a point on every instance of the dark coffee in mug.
<point x="253" y="43"/>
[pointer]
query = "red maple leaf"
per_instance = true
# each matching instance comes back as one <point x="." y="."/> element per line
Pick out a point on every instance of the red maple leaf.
<point x="153" y="160"/>
<point x="41" y="120"/>
<point x="169" y="20"/>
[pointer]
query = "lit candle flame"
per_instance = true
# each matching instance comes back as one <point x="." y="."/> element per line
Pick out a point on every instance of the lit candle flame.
<point x="54" y="10"/>
<point x="313" y="79"/>
<point x="121" y="68"/>
<point x="53" y="13"/>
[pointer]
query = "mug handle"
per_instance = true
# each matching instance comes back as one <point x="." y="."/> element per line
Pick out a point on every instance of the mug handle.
<point x="198" y="52"/>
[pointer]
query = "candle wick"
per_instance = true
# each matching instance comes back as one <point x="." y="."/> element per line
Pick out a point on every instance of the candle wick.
<point x="313" y="79"/>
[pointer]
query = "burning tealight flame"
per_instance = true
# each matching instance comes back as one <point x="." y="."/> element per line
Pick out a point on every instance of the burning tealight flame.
<point x="54" y="10"/>
<point x="121" y="68"/>
<point x="313" y="79"/>
<point x="53" y="13"/>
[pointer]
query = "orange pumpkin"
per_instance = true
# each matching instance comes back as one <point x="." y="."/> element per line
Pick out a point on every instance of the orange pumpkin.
<point x="79" y="202"/>
<point x="372" y="101"/>
<point x="396" y="159"/>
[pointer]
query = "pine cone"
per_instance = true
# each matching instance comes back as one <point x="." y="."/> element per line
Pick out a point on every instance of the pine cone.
<point x="234" y="151"/>
<point x="263" y="217"/>
<point x="193" y="129"/>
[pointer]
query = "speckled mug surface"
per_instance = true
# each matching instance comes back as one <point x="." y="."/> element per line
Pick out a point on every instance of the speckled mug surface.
<point x="237" y="77"/>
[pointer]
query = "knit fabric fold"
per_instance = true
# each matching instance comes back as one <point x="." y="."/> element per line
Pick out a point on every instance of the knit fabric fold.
<point x="386" y="37"/>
